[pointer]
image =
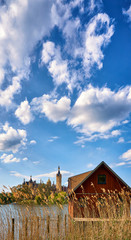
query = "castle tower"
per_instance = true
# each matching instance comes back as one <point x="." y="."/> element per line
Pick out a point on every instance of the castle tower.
<point x="58" y="180"/>
<point x="48" y="183"/>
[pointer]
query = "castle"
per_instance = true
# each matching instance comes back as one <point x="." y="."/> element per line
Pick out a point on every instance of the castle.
<point x="56" y="188"/>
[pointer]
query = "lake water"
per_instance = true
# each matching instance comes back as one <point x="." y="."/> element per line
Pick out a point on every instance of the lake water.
<point x="23" y="213"/>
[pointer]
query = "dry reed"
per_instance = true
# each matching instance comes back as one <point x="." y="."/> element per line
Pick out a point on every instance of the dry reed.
<point x="106" y="218"/>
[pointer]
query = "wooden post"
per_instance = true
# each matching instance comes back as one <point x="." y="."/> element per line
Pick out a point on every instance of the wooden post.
<point x="58" y="223"/>
<point x="65" y="223"/>
<point x="26" y="223"/>
<point x="37" y="226"/>
<point x="48" y="224"/>
<point x="69" y="223"/>
<point x="31" y="222"/>
<point x="13" y="223"/>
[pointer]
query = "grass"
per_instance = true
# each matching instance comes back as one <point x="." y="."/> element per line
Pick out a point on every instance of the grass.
<point x="110" y="220"/>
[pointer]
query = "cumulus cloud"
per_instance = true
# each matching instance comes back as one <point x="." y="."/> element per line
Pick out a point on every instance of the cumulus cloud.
<point x="23" y="113"/>
<point x="95" y="114"/>
<point x="55" y="110"/>
<point x="57" y="67"/>
<point x="95" y="41"/>
<point x="98" y="110"/>
<point x="21" y="27"/>
<point x="11" y="139"/>
<point x="37" y="177"/>
<point x="127" y="13"/>
<point x="126" y="155"/>
<point x="9" y="158"/>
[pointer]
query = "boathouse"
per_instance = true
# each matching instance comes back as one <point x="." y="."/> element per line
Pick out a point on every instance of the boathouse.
<point x="93" y="186"/>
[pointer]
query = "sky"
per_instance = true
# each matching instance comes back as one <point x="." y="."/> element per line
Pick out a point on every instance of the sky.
<point x="65" y="88"/>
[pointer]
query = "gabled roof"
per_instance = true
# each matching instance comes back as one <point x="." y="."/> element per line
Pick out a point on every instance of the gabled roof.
<point x="75" y="180"/>
<point x="90" y="174"/>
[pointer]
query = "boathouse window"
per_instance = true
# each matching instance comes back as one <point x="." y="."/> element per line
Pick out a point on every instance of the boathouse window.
<point x="102" y="179"/>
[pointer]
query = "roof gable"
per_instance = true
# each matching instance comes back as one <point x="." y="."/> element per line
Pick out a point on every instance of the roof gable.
<point x="75" y="180"/>
<point x="92" y="172"/>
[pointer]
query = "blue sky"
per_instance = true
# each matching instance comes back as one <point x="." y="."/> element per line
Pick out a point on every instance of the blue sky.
<point x="65" y="88"/>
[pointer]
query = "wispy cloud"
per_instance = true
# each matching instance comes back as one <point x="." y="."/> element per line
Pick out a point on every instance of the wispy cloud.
<point x="127" y="13"/>
<point x="126" y="155"/>
<point x="37" y="177"/>
<point x="25" y="159"/>
<point x="94" y="6"/>
<point x="121" y="140"/>
<point x="90" y="166"/>
<point x="36" y="162"/>
<point x="95" y="42"/>
<point x="32" y="142"/>
<point x="53" y="138"/>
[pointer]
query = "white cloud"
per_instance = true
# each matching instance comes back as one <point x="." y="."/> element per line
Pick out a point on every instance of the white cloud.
<point x="57" y="67"/>
<point x="19" y="175"/>
<point x="48" y="175"/>
<point x="98" y="110"/>
<point x="53" y="138"/>
<point x="95" y="41"/>
<point x="32" y="142"/>
<point x="120" y="164"/>
<point x="9" y="158"/>
<point x="23" y="112"/>
<point x="116" y="133"/>
<point x="94" y="5"/>
<point x="25" y="159"/>
<point x="36" y="162"/>
<point x="11" y="139"/>
<point x="21" y="27"/>
<point x="55" y="110"/>
<point x="95" y="114"/>
<point x="125" y="121"/>
<point x="121" y="140"/>
<point x="126" y="156"/>
<point x="7" y="95"/>
<point x="90" y="165"/>
<point x="86" y="45"/>
<point x="127" y="13"/>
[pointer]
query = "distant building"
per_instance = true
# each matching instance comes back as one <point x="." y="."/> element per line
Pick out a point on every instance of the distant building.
<point x="58" y="181"/>
<point x="30" y="183"/>
<point x="55" y="188"/>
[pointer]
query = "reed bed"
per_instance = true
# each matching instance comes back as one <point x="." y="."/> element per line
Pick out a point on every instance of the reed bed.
<point x="110" y="220"/>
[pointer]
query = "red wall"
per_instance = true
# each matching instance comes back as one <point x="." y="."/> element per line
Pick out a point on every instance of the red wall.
<point x="112" y="183"/>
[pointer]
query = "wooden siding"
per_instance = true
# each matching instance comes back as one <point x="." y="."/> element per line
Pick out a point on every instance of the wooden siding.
<point x="91" y="187"/>
<point x="112" y="182"/>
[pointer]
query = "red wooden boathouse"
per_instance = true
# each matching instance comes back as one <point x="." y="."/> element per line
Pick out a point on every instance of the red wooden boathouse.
<point x="91" y="184"/>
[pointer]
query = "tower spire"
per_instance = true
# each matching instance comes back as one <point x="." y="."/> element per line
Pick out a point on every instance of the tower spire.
<point x="58" y="180"/>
